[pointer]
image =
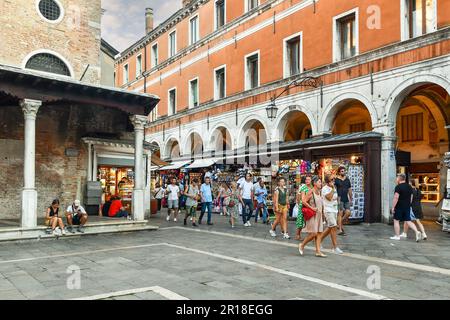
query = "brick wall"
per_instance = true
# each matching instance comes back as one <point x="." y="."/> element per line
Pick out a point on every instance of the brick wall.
<point x="57" y="176"/>
<point x="76" y="37"/>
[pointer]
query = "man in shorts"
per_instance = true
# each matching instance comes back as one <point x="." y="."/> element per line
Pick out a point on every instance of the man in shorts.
<point x="173" y="198"/>
<point x="76" y="215"/>
<point x="345" y="196"/>
<point x="401" y="207"/>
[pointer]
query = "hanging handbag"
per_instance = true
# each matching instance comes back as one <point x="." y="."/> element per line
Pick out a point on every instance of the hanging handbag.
<point x="309" y="213"/>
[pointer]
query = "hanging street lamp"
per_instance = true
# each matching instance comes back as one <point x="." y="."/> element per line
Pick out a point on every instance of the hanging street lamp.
<point x="310" y="82"/>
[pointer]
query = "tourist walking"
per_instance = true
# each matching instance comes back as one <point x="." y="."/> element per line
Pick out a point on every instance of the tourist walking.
<point x="417" y="216"/>
<point x="192" y="193"/>
<point x="305" y="187"/>
<point x="231" y="202"/>
<point x="345" y="194"/>
<point x="314" y="226"/>
<point x="261" y="198"/>
<point x="247" y="194"/>
<point x="173" y="192"/>
<point x="401" y="207"/>
<point x="221" y="194"/>
<point x="207" y="200"/>
<point x="159" y="195"/>
<point x="53" y="219"/>
<point x="281" y="208"/>
<point x="330" y="212"/>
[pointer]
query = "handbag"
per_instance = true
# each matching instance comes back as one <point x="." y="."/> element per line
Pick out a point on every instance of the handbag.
<point x="309" y="213"/>
<point x="295" y="211"/>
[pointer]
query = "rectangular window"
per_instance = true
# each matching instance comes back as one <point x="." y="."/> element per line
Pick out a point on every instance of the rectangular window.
<point x="292" y="56"/>
<point x="155" y="55"/>
<point x="412" y="127"/>
<point x="251" y="4"/>
<point x="193" y="30"/>
<point x="138" y="66"/>
<point x="220" y="13"/>
<point x="357" y="127"/>
<point x="154" y="114"/>
<point x="172" y="44"/>
<point x="347" y="35"/>
<point x="172" y="102"/>
<point x="252" y="72"/>
<point x="220" y="86"/>
<point x="193" y="93"/>
<point x="421" y="17"/>
<point x="125" y="74"/>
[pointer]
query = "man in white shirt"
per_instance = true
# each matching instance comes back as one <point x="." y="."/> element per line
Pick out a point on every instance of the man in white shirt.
<point x="173" y="192"/>
<point x="240" y="181"/>
<point x="76" y="215"/>
<point x="246" y="199"/>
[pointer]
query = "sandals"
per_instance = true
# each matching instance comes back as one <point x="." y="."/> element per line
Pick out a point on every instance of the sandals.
<point x="320" y="255"/>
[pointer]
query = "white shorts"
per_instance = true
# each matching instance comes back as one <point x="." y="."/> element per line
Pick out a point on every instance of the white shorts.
<point x="331" y="218"/>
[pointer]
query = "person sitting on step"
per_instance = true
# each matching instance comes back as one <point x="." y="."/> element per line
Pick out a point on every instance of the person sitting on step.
<point x="117" y="210"/>
<point x="53" y="219"/>
<point x="76" y="215"/>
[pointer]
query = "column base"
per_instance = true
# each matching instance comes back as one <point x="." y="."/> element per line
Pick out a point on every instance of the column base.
<point x="138" y="205"/>
<point x="28" y="219"/>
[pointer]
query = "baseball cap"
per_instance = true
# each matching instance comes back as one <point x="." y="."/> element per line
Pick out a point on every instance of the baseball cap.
<point x="77" y="203"/>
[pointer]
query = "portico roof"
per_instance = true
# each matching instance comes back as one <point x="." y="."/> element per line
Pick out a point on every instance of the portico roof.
<point x="16" y="84"/>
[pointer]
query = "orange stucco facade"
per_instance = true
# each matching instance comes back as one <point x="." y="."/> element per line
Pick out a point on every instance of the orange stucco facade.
<point x="245" y="33"/>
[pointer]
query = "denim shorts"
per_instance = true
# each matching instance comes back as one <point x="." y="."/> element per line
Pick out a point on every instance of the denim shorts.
<point x="172" y="204"/>
<point x="344" y="205"/>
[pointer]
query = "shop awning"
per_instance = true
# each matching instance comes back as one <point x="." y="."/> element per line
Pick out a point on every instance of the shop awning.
<point x="202" y="163"/>
<point x="176" y="165"/>
<point x="156" y="161"/>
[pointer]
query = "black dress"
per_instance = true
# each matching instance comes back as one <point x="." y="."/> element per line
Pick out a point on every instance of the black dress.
<point x="416" y="204"/>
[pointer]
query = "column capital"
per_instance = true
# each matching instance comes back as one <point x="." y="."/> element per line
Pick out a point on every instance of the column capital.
<point x="30" y="107"/>
<point x="139" y="122"/>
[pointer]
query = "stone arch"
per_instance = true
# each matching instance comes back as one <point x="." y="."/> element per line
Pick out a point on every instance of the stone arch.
<point x="172" y="149"/>
<point x="156" y="143"/>
<point x="254" y="130"/>
<point x="50" y="52"/>
<point x="221" y="131"/>
<point x="404" y="89"/>
<point x="332" y="109"/>
<point x="285" y="120"/>
<point x="193" y="144"/>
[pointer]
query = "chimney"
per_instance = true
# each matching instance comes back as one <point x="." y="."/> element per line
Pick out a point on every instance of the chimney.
<point x="186" y="2"/>
<point x="148" y="20"/>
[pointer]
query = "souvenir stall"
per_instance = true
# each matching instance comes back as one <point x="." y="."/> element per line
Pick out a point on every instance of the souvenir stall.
<point x="445" y="210"/>
<point x="117" y="181"/>
<point x="355" y="171"/>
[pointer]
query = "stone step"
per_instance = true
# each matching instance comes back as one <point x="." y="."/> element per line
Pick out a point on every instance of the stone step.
<point x="15" y="234"/>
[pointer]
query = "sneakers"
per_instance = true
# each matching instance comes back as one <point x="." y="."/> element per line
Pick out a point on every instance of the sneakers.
<point x="168" y="218"/>
<point x="247" y="224"/>
<point x="185" y="222"/>
<point x="273" y="233"/>
<point x="337" y="251"/>
<point x="63" y="232"/>
<point x="300" y="250"/>
<point x="396" y="238"/>
<point x="418" y="236"/>
<point x="424" y="236"/>
<point x="286" y="236"/>
<point x="175" y="220"/>
<point x="70" y="229"/>
<point x="81" y="229"/>
<point x="404" y="235"/>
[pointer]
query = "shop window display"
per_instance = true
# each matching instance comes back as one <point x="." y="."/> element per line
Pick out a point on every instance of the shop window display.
<point x="117" y="182"/>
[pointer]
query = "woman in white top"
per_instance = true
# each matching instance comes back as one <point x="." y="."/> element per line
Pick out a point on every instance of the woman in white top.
<point x="330" y="210"/>
<point x="159" y="195"/>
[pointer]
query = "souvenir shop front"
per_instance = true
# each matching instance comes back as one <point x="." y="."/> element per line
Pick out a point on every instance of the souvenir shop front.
<point x="359" y="153"/>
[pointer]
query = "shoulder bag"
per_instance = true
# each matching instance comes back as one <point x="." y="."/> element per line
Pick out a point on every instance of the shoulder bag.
<point x="309" y="213"/>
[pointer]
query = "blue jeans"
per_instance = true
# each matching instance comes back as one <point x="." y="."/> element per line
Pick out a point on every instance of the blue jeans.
<point x="264" y="210"/>
<point x="247" y="214"/>
<point x="206" y="205"/>
<point x="121" y="214"/>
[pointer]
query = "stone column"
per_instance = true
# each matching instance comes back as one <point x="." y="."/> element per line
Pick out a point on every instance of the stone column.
<point x="139" y="123"/>
<point x="388" y="169"/>
<point x="29" y="193"/>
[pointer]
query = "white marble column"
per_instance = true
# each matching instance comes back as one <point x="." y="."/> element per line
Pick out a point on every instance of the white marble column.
<point x="388" y="169"/>
<point x="29" y="193"/>
<point x="139" y="123"/>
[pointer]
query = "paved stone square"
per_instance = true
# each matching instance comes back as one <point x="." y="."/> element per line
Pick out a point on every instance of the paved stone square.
<point x="216" y="262"/>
